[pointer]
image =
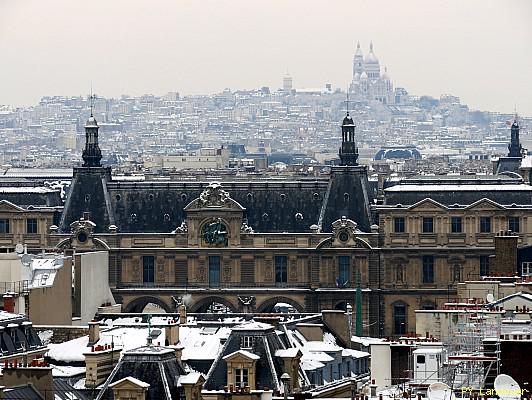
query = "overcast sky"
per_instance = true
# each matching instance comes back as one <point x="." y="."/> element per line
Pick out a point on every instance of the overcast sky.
<point x="480" y="50"/>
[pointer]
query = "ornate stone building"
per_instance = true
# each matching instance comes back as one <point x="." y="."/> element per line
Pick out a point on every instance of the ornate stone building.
<point x="248" y="244"/>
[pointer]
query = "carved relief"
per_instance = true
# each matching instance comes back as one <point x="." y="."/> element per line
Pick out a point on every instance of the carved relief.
<point x="226" y="274"/>
<point x="136" y="270"/>
<point x="268" y="270"/>
<point x="213" y="196"/>
<point x="293" y="269"/>
<point x="201" y="272"/>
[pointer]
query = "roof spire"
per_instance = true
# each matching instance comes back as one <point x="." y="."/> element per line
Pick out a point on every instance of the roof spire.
<point x="347" y="102"/>
<point x="371" y="46"/>
<point x="92" y="100"/>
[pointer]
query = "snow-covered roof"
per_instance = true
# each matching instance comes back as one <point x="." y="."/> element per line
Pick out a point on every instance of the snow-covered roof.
<point x="310" y="365"/>
<point x="134" y="381"/>
<point x="354" y="353"/>
<point x="199" y="345"/>
<point x="190" y="378"/>
<point x="290" y="353"/>
<point x="252" y="326"/>
<point x="461" y="188"/>
<point x="317" y="356"/>
<point x="314" y="346"/>
<point x="244" y="353"/>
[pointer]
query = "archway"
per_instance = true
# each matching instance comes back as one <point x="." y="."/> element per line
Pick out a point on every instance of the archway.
<point x="212" y="305"/>
<point x="342" y="305"/>
<point x="269" y="305"/>
<point x="149" y="303"/>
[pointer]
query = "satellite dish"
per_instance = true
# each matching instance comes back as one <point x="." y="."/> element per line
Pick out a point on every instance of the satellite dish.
<point x="490" y="297"/>
<point x="440" y="391"/>
<point x="507" y="388"/>
<point x="19" y="248"/>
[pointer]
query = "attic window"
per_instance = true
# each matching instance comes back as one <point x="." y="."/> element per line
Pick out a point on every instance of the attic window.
<point x="265" y="217"/>
<point x="150" y="196"/>
<point x="184" y="197"/>
<point x="118" y="197"/>
<point x="346" y="196"/>
<point x="246" y="342"/>
<point x="250" y="196"/>
<point x="283" y="197"/>
<point x="316" y="196"/>
<point x="87" y="197"/>
<point x="134" y="217"/>
<point x="167" y="217"/>
<point x="299" y="216"/>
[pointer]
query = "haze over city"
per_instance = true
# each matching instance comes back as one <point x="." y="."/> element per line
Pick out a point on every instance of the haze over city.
<point x="478" y="50"/>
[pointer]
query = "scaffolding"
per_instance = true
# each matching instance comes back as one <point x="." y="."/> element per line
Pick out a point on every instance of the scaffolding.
<point x="473" y="348"/>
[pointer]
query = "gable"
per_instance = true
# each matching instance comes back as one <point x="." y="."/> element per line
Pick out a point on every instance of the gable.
<point x="10" y="207"/>
<point x="427" y="205"/>
<point x="485" y="205"/>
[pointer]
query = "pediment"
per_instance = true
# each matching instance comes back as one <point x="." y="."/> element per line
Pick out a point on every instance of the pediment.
<point x="129" y="383"/>
<point x="8" y="206"/>
<point x="428" y="205"/>
<point x="241" y="355"/>
<point x="485" y="205"/>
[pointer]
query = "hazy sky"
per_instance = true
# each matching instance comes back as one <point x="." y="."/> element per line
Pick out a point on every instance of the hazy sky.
<point x="480" y="50"/>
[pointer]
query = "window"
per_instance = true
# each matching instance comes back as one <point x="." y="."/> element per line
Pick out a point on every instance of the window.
<point x="343" y="271"/>
<point x="31" y="225"/>
<point x="214" y="270"/>
<point x="399" y="319"/>
<point x="281" y="269"/>
<point x="148" y="269"/>
<point x="246" y="342"/>
<point x="485" y="224"/>
<point x="428" y="269"/>
<point x="484" y="262"/>
<point x="241" y="377"/>
<point x="4" y="226"/>
<point x="428" y="225"/>
<point x="513" y="224"/>
<point x="399" y="225"/>
<point x="456" y="224"/>
<point x="421" y="359"/>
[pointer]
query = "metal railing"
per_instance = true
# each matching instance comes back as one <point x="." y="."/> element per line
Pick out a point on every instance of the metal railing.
<point x="14" y="287"/>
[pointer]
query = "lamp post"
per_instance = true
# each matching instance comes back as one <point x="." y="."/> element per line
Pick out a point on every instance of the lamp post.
<point x="285" y="378"/>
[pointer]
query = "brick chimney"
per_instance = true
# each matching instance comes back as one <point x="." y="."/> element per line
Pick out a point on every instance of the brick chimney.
<point x="172" y="332"/>
<point x="505" y="261"/>
<point x="182" y="309"/>
<point x="39" y="377"/>
<point x="99" y="363"/>
<point x="9" y="303"/>
<point x="94" y="332"/>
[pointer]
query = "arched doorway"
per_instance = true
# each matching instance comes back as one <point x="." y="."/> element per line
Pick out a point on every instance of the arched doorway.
<point x="213" y="305"/>
<point x="147" y="304"/>
<point x="280" y="304"/>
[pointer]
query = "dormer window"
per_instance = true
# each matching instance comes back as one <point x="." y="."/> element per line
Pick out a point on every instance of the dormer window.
<point x="246" y="342"/>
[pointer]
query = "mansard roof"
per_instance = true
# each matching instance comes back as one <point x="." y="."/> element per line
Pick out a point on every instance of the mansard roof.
<point x="270" y="205"/>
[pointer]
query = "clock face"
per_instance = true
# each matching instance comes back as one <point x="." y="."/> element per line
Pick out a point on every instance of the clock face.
<point x="343" y="236"/>
<point x="82" y="237"/>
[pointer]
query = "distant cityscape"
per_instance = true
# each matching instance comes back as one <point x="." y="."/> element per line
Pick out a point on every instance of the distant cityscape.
<point x="253" y="129"/>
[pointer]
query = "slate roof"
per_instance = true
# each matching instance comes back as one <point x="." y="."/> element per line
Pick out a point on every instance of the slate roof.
<point x="265" y="344"/>
<point x="23" y="392"/>
<point x="459" y="190"/>
<point x="271" y="205"/>
<point x="155" y="365"/>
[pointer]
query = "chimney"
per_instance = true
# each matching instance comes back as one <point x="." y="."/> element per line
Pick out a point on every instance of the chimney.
<point x="94" y="332"/>
<point x="86" y="215"/>
<point x="99" y="363"/>
<point x="505" y="262"/>
<point x="39" y="377"/>
<point x="182" y="309"/>
<point x="172" y="332"/>
<point x="9" y="303"/>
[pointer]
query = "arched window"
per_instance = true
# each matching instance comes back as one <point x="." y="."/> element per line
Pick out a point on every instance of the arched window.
<point x="399" y="318"/>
